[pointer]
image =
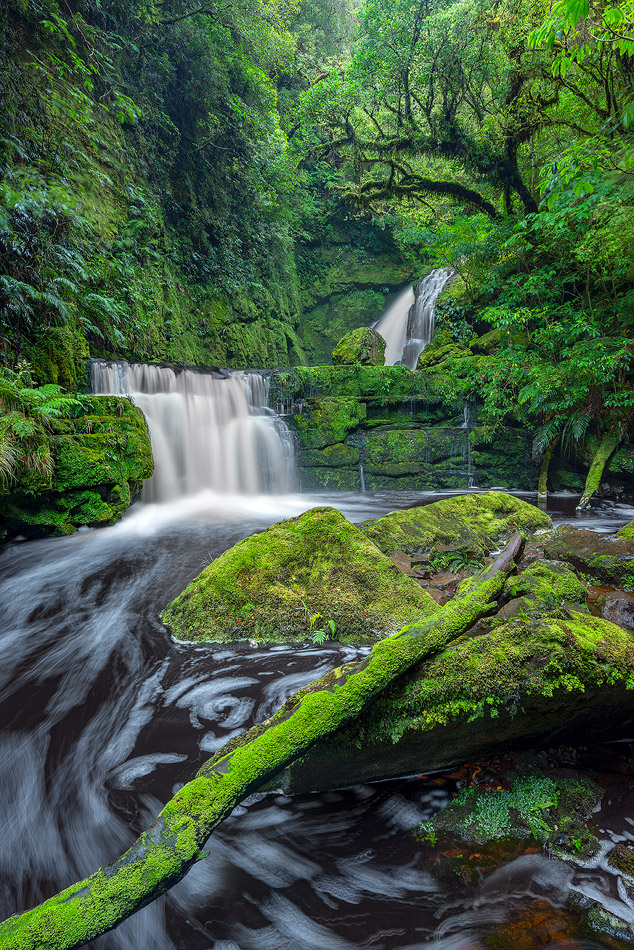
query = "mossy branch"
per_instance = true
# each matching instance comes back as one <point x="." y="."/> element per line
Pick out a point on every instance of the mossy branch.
<point x="163" y="854"/>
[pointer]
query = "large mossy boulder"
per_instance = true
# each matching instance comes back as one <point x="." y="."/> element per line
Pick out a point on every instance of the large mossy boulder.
<point x="557" y="678"/>
<point x="271" y="586"/>
<point x="471" y="524"/>
<point x="100" y="459"/>
<point x="363" y="345"/>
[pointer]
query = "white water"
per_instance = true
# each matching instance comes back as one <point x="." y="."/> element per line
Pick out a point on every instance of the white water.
<point x="208" y="432"/>
<point x="408" y="325"/>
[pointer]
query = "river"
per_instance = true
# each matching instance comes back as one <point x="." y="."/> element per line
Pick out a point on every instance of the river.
<point x="105" y="716"/>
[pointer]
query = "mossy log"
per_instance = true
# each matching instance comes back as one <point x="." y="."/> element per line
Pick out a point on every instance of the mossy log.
<point x="606" y="448"/>
<point x="163" y="854"/>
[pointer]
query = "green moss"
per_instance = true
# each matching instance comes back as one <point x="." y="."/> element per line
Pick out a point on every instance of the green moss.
<point x="475" y="522"/>
<point x="363" y="345"/>
<point x="607" y="558"/>
<point x="332" y="456"/>
<point x="627" y="532"/>
<point x="546" y="585"/>
<point x="100" y="458"/>
<point x="327" y="421"/>
<point x="550" y="807"/>
<point x="269" y="586"/>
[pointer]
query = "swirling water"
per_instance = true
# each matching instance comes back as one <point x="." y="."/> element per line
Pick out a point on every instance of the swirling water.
<point x="105" y="716"/>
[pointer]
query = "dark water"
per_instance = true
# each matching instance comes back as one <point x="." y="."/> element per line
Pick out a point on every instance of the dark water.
<point x="104" y="717"/>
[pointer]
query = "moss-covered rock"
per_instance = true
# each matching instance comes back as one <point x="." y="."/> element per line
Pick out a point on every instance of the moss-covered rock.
<point x="552" y="807"/>
<point x="627" y="532"/>
<point x="609" y="558"/>
<point x="555" y="679"/>
<point x="546" y="585"/>
<point x="332" y="456"/>
<point x="474" y="523"/>
<point x="100" y="459"/>
<point x="327" y="421"/>
<point x="363" y="345"/>
<point x="271" y="587"/>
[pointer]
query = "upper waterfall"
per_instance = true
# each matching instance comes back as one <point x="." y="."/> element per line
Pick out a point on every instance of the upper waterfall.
<point x="208" y="431"/>
<point x="408" y="325"/>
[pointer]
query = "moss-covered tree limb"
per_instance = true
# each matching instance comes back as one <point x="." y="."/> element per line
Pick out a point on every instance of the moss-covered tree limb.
<point x="542" y="484"/>
<point x="607" y="446"/>
<point x="163" y="854"/>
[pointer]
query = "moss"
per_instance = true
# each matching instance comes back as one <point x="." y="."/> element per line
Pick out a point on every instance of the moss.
<point x="627" y="532"/>
<point x="363" y="345"/>
<point x="327" y="421"/>
<point x="320" y="478"/>
<point x="269" y="586"/>
<point x="607" y="558"/>
<point x="475" y="522"/>
<point x="546" y="585"/>
<point x="551" y="807"/>
<point x="100" y="458"/>
<point x="332" y="456"/>
<point x="524" y="680"/>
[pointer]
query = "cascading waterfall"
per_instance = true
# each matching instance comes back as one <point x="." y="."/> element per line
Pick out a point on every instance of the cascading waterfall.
<point x="408" y="325"/>
<point x="208" y="431"/>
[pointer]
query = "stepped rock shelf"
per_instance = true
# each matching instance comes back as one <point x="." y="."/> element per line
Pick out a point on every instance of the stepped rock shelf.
<point x="385" y="427"/>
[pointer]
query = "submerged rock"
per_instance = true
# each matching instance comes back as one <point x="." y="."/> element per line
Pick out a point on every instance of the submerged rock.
<point x="463" y="528"/>
<point x="316" y="572"/>
<point x="551" y="678"/>
<point x="363" y="345"/>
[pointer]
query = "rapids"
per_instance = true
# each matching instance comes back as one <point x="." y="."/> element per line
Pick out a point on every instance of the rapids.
<point x="105" y="716"/>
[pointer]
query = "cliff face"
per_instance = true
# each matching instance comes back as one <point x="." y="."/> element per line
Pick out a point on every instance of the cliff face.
<point x="150" y="207"/>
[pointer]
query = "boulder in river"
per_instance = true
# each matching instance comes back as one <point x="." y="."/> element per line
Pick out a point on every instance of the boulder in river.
<point x="609" y="558"/>
<point x="363" y="345"/>
<point x="550" y="678"/>
<point x="310" y="573"/>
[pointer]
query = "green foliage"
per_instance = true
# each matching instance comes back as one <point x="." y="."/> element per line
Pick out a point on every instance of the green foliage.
<point x="26" y="413"/>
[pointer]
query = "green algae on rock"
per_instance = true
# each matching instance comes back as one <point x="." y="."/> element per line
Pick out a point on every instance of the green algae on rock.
<point x="101" y="457"/>
<point x="472" y="523"/>
<point x="552" y="677"/>
<point x="363" y="345"/>
<point x="270" y="586"/>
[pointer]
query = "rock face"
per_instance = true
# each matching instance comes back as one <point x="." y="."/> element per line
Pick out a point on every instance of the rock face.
<point x="313" y="572"/>
<point x="407" y="430"/>
<point x="550" y="678"/>
<point x="618" y="607"/>
<point x="363" y="345"/>
<point x="101" y="458"/>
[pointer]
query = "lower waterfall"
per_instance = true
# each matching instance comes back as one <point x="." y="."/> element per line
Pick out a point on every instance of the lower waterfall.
<point x="208" y="430"/>
<point x="408" y="325"/>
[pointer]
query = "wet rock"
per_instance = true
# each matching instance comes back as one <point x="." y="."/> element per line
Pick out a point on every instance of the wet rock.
<point x="609" y="558"/>
<point x="363" y="345"/>
<point x="402" y="561"/>
<point x="316" y="571"/>
<point x="618" y="607"/>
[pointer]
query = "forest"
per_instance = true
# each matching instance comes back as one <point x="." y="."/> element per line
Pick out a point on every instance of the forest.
<point x="317" y="473"/>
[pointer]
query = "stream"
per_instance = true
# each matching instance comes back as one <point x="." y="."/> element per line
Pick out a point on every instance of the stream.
<point x="105" y="717"/>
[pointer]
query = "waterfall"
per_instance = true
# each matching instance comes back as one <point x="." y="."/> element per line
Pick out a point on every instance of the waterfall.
<point x="208" y="431"/>
<point x="408" y="325"/>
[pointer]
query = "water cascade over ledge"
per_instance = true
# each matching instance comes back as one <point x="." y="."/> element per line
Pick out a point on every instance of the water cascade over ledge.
<point x="408" y="325"/>
<point x="208" y="431"/>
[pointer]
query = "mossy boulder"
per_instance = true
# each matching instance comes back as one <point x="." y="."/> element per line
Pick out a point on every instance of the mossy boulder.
<point x="544" y="585"/>
<point x="560" y="678"/>
<point x="627" y="532"/>
<point x="100" y="458"/>
<point x="473" y="523"/>
<point x="608" y="558"/>
<point x="363" y="345"/>
<point x="270" y="587"/>
<point x="338" y="455"/>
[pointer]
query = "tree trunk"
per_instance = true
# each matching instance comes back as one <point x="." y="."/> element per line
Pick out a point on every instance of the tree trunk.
<point x="608" y="444"/>
<point x="163" y="854"/>
<point x="542" y="484"/>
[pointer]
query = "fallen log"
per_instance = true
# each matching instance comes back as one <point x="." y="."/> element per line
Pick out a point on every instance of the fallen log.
<point x="163" y="854"/>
